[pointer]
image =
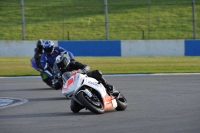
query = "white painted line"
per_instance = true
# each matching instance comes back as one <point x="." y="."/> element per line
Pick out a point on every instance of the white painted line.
<point x="177" y="74"/>
<point x="156" y="74"/>
<point x="21" y="101"/>
<point x="4" y="102"/>
<point x="22" y="77"/>
<point x="111" y="75"/>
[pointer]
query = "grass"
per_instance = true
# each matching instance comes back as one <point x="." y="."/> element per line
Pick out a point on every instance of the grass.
<point x="85" y="20"/>
<point x="20" y="66"/>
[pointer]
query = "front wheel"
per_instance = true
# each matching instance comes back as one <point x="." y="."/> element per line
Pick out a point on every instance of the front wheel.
<point x="121" y="103"/>
<point x="75" y="107"/>
<point x="57" y="86"/>
<point x="93" y="104"/>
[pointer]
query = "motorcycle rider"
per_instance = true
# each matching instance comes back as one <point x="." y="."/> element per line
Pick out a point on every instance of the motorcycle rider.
<point x="38" y="51"/>
<point x="47" y="59"/>
<point x="64" y="64"/>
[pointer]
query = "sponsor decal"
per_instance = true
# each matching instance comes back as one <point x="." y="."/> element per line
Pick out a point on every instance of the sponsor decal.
<point x="93" y="83"/>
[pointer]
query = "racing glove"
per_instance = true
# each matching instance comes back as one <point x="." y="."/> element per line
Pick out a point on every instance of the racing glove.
<point x="86" y="69"/>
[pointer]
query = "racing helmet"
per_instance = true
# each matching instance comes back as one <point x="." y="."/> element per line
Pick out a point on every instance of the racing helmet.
<point x="62" y="61"/>
<point x="48" y="46"/>
<point x="39" y="44"/>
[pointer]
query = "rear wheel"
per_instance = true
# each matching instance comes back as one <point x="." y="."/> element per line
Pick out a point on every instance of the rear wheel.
<point x="121" y="103"/>
<point x="93" y="104"/>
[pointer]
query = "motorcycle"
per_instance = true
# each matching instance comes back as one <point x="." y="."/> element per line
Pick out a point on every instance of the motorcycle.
<point x="87" y="92"/>
<point x="43" y="75"/>
<point x="56" y="82"/>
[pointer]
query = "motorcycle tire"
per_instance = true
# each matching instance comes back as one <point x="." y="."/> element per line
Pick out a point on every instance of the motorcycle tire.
<point x="46" y="79"/>
<point x="57" y="86"/>
<point x="90" y="104"/>
<point x="121" y="103"/>
<point x="75" y="107"/>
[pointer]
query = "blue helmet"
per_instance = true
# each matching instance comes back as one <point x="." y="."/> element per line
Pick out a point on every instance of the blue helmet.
<point x="48" y="46"/>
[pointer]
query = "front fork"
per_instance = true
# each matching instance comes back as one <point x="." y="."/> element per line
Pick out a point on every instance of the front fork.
<point x="87" y="91"/>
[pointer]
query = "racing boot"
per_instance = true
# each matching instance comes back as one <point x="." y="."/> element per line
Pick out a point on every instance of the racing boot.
<point x="111" y="90"/>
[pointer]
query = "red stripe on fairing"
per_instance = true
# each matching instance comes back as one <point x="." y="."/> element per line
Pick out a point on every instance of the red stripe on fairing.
<point x="65" y="87"/>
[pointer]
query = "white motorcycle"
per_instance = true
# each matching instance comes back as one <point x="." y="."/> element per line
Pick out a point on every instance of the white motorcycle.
<point x="87" y="92"/>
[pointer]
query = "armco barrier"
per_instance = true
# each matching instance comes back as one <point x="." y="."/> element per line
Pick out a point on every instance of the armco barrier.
<point x="110" y="48"/>
<point x="152" y="48"/>
<point x="18" y="48"/>
<point x="92" y="48"/>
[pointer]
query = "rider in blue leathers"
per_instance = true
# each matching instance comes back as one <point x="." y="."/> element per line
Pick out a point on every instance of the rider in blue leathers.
<point x="35" y="61"/>
<point x="38" y="53"/>
<point x="48" y="57"/>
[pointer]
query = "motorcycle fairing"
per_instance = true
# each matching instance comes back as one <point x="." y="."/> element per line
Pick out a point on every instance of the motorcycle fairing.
<point x="33" y="63"/>
<point x="77" y="81"/>
<point x="70" y="86"/>
<point x="109" y="102"/>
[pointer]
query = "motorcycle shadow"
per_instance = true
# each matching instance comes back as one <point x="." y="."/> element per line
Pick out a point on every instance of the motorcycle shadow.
<point x="46" y="99"/>
<point x="87" y="112"/>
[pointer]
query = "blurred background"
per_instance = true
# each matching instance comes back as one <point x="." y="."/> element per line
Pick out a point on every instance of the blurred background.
<point x="99" y="19"/>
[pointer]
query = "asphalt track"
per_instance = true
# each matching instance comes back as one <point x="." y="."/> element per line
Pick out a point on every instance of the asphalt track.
<point x="156" y="104"/>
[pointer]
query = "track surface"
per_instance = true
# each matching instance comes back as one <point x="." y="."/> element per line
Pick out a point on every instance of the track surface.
<point x="156" y="104"/>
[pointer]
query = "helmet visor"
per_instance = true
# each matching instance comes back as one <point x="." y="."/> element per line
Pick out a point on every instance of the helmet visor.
<point x="49" y="50"/>
<point x="64" y="63"/>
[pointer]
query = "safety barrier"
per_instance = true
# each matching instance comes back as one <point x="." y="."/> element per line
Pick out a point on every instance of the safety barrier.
<point x="110" y="47"/>
<point x="192" y="47"/>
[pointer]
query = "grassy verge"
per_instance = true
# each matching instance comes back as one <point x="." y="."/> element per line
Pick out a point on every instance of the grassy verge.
<point x="20" y="66"/>
<point x="85" y="20"/>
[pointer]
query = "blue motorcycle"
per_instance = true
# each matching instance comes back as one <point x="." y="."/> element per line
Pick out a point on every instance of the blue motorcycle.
<point x="43" y="75"/>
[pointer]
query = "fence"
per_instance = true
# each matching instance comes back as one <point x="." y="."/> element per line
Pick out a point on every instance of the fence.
<point x="99" y="19"/>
